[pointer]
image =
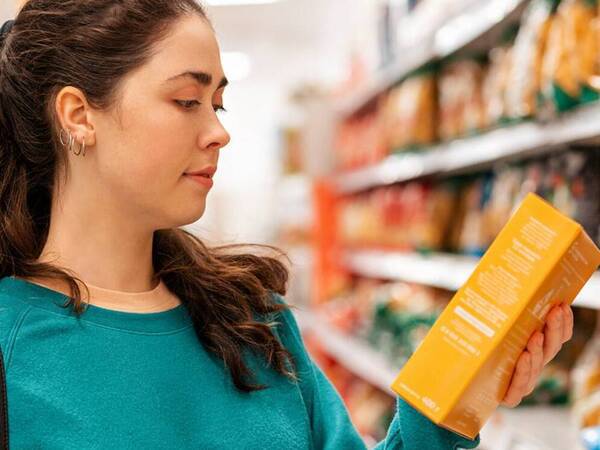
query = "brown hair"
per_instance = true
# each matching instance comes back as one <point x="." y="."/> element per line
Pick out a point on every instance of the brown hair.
<point x="92" y="45"/>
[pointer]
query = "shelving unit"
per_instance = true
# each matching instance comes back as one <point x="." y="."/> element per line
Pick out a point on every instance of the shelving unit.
<point x="522" y="140"/>
<point x="455" y="32"/>
<point x="440" y="270"/>
<point x="471" y="26"/>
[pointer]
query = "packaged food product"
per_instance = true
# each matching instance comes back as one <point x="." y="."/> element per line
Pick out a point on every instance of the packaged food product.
<point x="495" y="83"/>
<point x="473" y="236"/>
<point x="528" y="54"/>
<point x="440" y="207"/>
<point x="461" y="108"/>
<point x="588" y="31"/>
<point x="507" y="181"/>
<point x="359" y="140"/>
<point x="415" y="198"/>
<point x="460" y="372"/>
<point x="562" y="76"/>
<point x="410" y="111"/>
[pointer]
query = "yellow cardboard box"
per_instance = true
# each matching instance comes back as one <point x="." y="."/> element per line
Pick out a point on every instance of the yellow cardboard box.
<point x="462" y="369"/>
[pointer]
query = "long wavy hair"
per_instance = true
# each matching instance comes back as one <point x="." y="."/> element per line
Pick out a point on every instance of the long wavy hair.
<point x="93" y="45"/>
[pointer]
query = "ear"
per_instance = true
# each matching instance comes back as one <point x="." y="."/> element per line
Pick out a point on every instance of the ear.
<point x="73" y="114"/>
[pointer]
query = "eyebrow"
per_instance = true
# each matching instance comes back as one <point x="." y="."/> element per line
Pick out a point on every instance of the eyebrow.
<point x="203" y="78"/>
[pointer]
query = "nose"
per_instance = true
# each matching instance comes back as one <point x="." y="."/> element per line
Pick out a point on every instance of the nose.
<point x="215" y="136"/>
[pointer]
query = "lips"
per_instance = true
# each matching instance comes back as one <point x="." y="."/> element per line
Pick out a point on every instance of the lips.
<point x="207" y="172"/>
<point x="202" y="180"/>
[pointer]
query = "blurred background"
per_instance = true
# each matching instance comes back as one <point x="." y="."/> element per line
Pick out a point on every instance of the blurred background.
<point x="383" y="144"/>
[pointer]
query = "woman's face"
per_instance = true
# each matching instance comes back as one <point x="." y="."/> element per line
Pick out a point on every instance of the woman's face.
<point x="164" y="126"/>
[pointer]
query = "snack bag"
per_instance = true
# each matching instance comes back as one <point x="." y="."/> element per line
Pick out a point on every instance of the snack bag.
<point x="461" y="107"/>
<point x="440" y="209"/>
<point x="495" y="83"/>
<point x="528" y="55"/>
<point x="570" y="40"/>
<point x="409" y="113"/>
<point x="588" y="30"/>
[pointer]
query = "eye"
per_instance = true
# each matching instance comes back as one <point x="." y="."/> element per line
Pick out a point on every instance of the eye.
<point x="218" y="108"/>
<point x="188" y="104"/>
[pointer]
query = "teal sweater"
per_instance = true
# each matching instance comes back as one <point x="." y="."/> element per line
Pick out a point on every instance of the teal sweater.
<point x="119" y="380"/>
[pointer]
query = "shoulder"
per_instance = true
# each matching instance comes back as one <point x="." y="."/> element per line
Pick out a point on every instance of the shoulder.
<point x="285" y="317"/>
<point x="12" y="311"/>
<point x="10" y="297"/>
<point x="10" y="300"/>
<point x="288" y="328"/>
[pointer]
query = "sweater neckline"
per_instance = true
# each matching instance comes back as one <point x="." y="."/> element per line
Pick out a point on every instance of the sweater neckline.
<point x="43" y="297"/>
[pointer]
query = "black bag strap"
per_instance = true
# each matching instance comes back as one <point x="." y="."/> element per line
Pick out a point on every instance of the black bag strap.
<point x="3" y="406"/>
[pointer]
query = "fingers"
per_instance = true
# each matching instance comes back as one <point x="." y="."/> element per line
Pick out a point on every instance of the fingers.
<point x="519" y="382"/>
<point x="535" y="346"/>
<point x="541" y="348"/>
<point x="567" y="322"/>
<point x="553" y="333"/>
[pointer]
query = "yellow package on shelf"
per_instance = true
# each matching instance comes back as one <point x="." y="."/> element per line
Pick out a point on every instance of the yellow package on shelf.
<point x="461" y="371"/>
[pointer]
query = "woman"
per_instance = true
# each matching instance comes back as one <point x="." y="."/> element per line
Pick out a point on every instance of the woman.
<point x="109" y="138"/>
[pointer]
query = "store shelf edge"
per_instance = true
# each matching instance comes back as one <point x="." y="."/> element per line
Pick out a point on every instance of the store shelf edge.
<point x="476" y="152"/>
<point x="439" y="270"/>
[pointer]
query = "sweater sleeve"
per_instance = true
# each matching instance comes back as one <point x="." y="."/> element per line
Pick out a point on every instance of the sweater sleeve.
<point x="330" y="422"/>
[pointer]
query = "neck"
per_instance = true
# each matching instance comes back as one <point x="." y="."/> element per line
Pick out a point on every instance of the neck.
<point x="100" y="243"/>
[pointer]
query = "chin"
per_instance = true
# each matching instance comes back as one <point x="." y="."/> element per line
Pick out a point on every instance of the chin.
<point x="191" y="215"/>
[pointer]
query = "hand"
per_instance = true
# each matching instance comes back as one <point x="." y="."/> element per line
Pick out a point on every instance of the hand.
<point x="541" y="349"/>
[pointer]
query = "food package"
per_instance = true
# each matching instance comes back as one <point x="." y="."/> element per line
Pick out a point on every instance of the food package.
<point x="528" y="55"/>
<point x="461" y="107"/>
<point x="495" y="83"/>
<point x="410" y="111"/>
<point x="440" y="209"/>
<point x="501" y="204"/>
<point x="472" y="236"/>
<point x="562" y="68"/>
<point x="461" y="371"/>
<point x="588" y="31"/>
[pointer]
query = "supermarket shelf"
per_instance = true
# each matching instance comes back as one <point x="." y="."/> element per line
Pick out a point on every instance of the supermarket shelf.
<point x="351" y="352"/>
<point x="455" y="33"/>
<point x="525" y="139"/>
<point x="439" y="270"/>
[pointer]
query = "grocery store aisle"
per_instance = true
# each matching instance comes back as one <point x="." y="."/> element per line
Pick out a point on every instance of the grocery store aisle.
<point x="385" y="145"/>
